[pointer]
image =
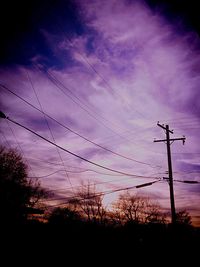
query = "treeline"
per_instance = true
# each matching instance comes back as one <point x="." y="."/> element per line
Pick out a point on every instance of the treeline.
<point x="21" y="200"/>
<point x="87" y="206"/>
<point x="83" y="223"/>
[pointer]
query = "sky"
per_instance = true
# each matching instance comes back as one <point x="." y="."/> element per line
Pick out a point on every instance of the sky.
<point x="107" y="71"/>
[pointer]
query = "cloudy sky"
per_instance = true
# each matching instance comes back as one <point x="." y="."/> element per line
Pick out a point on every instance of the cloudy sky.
<point x="106" y="72"/>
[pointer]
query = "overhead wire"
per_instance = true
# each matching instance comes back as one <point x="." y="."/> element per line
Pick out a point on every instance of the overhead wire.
<point x="99" y="183"/>
<point x="101" y="193"/>
<point x="92" y="183"/>
<point x="69" y="152"/>
<point x="48" y="126"/>
<point x="76" y="133"/>
<point x="187" y="172"/>
<point x="51" y="76"/>
<point x="107" y="192"/>
<point x="95" y="71"/>
<point x="89" y="170"/>
<point x="187" y="181"/>
<point x="63" y="87"/>
<point x="60" y="86"/>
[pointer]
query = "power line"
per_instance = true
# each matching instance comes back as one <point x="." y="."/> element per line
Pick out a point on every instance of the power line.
<point x="102" y="193"/>
<point x="187" y="172"/>
<point x="48" y="126"/>
<point x="98" y="74"/>
<point x="88" y="170"/>
<point x="46" y="161"/>
<point x="182" y="181"/>
<point x="79" y="134"/>
<point x="185" y="153"/>
<point x="60" y="86"/>
<point x="47" y="175"/>
<point x="73" y="154"/>
<point x="110" y="191"/>
<point x="76" y="133"/>
<point x="187" y="181"/>
<point x="93" y="184"/>
<point x="55" y="79"/>
<point x="50" y="174"/>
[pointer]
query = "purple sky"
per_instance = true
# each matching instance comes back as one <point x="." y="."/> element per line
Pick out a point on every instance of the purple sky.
<point x="129" y="68"/>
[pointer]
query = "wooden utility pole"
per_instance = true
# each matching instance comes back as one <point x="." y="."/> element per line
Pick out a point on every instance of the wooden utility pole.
<point x="168" y="142"/>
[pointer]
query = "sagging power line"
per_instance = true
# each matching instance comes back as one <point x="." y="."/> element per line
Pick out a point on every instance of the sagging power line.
<point x="76" y="133"/>
<point x="3" y="116"/>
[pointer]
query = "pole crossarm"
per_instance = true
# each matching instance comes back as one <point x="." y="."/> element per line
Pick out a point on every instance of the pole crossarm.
<point x="163" y="140"/>
<point x="171" y="139"/>
<point x="176" y="139"/>
<point x="165" y="128"/>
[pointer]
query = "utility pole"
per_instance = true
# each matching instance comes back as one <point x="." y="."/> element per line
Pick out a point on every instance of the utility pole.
<point x="168" y="142"/>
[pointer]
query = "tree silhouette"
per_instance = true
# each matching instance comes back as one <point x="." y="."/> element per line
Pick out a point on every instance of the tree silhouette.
<point x="18" y="195"/>
<point x="89" y="203"/>
<point x="130" y="208"/>
<point x="183" y="217"/>
<point x="153" y="213"/>
<point x="136" y="209"/>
